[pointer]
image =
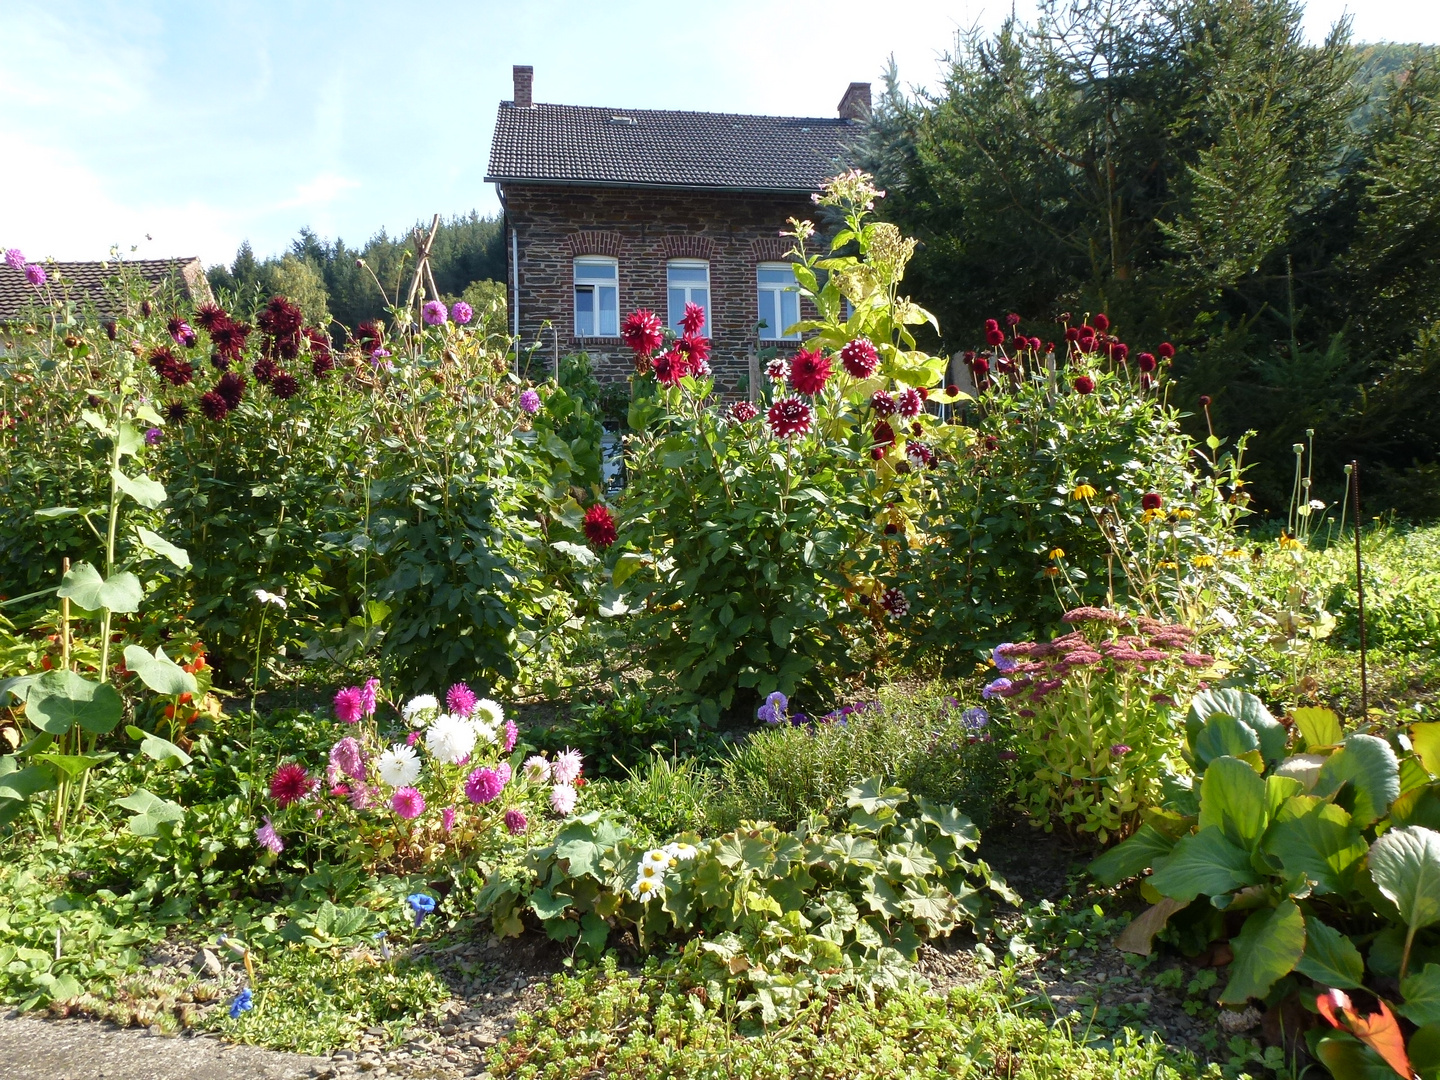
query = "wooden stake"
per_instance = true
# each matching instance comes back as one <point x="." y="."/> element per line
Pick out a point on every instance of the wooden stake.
<point x="1360" y="590"/>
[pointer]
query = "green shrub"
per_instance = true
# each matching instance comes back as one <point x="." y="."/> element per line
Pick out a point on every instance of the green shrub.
<point x="921" y="740"/>
<point x="664" y="796"/>
<point x="623" y="732"/>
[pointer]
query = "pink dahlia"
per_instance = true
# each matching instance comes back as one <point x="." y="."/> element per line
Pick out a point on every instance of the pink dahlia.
<point x="562" y="799"/>
<point x="789" y="416"/>
<point x="350" y="705"/>
<point x="268" y="837"/>
<point x="447" y="816"/>
<point x="435" y="313"/>
<point x="809" y="371"/>
<point x="484" y="785"/>
<point x="599" y="526"/>
<point x="859" y="358"/>
<point x="15" y="259"/>
<point x="909" y="403"/>
<point x="290" y="784"/>
<point x="567" y="767"/>
<point x="512" y="735"/>
<point x="347" y="757"/>
<point x="462" y="312"/>
<point x="460" y="699"/>
<point x="516" y="822"/>
<point x="35" y="274"/>
<point x="408" y="803"/>
<point x="642" y="331"/>
<point x="693" y="321"/>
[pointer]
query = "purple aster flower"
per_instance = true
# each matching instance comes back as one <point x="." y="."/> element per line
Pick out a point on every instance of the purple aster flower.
<point x="1003" y="662"/>
<point x="512" y="734"/>
<point x="461" y="699"/>
<point x="530" y="402"/>
<point x="516" y="821"/>
<point x="153" y="435"/>
<point x="975" y="718"/>
<point x="434" y="313"/>
<point x="35" y="274"/>
<point x="15" y="259"/>
<point x="462" y="312"/>
<point x="183" y="334"/>
<point x="998" y="687"/>
<point x="268" y="837"/>
<point x="484" y="785"/>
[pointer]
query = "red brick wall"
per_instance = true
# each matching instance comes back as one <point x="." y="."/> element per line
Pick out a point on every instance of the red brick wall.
<point x="642" y="229"/>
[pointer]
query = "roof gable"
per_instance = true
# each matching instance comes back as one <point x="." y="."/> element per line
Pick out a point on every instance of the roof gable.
<point x="578" y="144"/>
<point x="82" y="281"/>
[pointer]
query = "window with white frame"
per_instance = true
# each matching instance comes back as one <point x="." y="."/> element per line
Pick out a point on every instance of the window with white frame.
<point x="687" y="282"/>
<point x="779" y="301"/>
<point x="597" y="297"/>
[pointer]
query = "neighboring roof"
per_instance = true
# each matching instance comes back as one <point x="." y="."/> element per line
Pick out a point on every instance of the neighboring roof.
<point x="86" y="281"/>
<point x="577" y="144"/>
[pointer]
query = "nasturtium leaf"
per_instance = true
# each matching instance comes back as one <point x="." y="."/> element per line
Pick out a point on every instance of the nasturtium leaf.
<point x="1232" y="799"/>
<point x="1323" y="843"/>
<point x="69" y="766"/>
<point x="156" y="748"/>
<point x="1405" y="865"/>
<point x="1371" y="771"/>
<point x="148" y="811"/>
<point x="158" y="672"/>
<point x="120" y="593"/>
<point x="1223" y="736"/>
<point x="1204" y="862"/>
<point x="1318" y="727"/>
<point x="1267" y="948"/>
<point x="153" y="541"/>
<point x="1132" y="856"/>
<point x="1331" y="958"/>
<point x="58" y="700"/>
<point x="1422" y="996"/>
<point x="22" y="783"/>
<point x="1242" y="706"/>
<point x="148" y="493"/>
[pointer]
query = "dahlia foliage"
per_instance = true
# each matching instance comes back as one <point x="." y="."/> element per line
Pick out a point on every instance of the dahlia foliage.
<point x="445" y="777"/>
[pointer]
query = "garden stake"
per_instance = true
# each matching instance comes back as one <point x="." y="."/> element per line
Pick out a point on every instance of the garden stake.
<point x="1360" y="588"/>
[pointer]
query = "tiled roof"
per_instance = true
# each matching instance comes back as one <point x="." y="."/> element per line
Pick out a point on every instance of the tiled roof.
<point x="81" y="281"/>
<point x="576" y="144"/>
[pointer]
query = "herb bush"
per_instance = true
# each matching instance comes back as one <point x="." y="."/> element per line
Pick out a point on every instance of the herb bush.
<point x="919" y="739"/>
<point x="620" y="733"/>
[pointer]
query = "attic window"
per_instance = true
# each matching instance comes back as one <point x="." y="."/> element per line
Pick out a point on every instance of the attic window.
<point x="622" y="120"/>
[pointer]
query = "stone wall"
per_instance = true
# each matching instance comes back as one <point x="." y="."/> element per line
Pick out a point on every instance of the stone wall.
<point x="642" y="229"/>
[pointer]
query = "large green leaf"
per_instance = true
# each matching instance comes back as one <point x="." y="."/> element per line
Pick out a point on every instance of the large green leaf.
<point x="1232" y="799"/>
<point x="1331" y="958"/>
<point x="1347" y="1058"/>
<point x="1223" y="736"/>
<point x="156" y="748"/>
<point x="148" y="493"/>
<point x="1425" y="738"/>
<point x="1424" y="1051"/>
<point x="160" y="546"/>
<point x="1322" y="843"/>
<point x="149" y="811"/>
<point x="1422" y="996"/>
<point x="23" y="783"/>
<point x="1419" y="806"/>
<point x="1318" y="727"/>
<point x="1204" y="862"/>
<point x="69" y="766"/>
<point x="1242" y="706"/>
<point x="60" y="699"/>
<point x="1372" y="772"/>
<point x="1268" y="947"/>
<point x="159" y="672"/>
<point x="1132" y="857"/>
<point x="1405" y="865"/>
<point x="120" y="593"/>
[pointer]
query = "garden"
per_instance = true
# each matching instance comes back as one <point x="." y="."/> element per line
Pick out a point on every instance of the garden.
<point x="872" y="728"/>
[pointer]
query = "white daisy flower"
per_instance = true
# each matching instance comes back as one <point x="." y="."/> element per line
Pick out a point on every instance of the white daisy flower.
<point x="656" y="856"/>
<point x="271" y="598"/>
<point x="417" y="708"/>
<point x="398" y="766"/>
<point x="647" y="889"/>
<point x="681" y="851"/>
<point x="450" y="739"/>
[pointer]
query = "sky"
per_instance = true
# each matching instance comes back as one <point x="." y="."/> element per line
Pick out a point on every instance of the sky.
<point x="181" y="128"/>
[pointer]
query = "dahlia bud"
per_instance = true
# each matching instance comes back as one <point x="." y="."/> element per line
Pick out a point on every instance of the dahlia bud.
<point x="1204" y="401"/>
<point x="145" y="308"/>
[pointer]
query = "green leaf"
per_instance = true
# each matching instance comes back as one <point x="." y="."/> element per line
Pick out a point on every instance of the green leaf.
<point x="1132" y="857"/>
<point x="1223" y="736"/>
<point x="121" y="593"/>
<point x="548" y="906"/>
<point x="60" y="699"/>
<point x="159" y="672"/>
<point x="872" y="794"/>
<point x="625" y="567"/>
<point x="1242" y="706"/>
<point x="1348" y="1058"/>
<point x="23" y="783"/>
<point x="1232" y="798"/>
<point x="57" y="512"/>
<point x="153" y="541"/>
<point x="69" y="766"/>
<point x="1405" y="865"/>
<point x="1371" y="770"/>
<point x="1139" y="936"/>
<point x="130" y="441"/>
<point x="156" y="748"/>
<point x="1424" y="1051"/>
<point x="1422" y="996"/>
<point x="1425" y="738"/>
<point x="1204" y="862"/>
<point x="1331" y="958"/>
<point x="1419" y="806"/>
<point x="149" y="811"/>
<point x="579" y="552"/>
<point x="1318" y="727"/>
<point x="1268" y="947"/>
<point x="148" y="493"/>
<point x="1318" y="839"/>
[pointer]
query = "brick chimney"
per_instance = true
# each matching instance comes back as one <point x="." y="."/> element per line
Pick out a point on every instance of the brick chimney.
<point x="525" y="81"/>
<point x="855" y="105"/>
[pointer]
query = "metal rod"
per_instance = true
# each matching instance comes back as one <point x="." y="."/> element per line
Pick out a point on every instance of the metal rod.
<point x="1360" y="589"/>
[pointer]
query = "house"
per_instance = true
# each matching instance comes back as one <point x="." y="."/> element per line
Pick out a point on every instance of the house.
<point x="609" y="210"/>
<point x="85" y="283"/>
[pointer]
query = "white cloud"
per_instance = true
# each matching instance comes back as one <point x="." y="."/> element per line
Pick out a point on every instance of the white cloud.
<point x="319" y="191"/>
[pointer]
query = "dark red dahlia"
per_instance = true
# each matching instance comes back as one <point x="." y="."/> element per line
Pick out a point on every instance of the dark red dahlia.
<point x="1204" y="401"/>
<point x="290" y="784"/>
<point x="1101" y="322"/>
<point x="1087" y="338"/>
<point x="642" y="331"/>
<point x="695" y="348"/>
<point x="991" y="325"/>
<point x="1120" y="351"/>
<point x="229" y="338"/>
<point x="980" y="366"/>
<point x="743" y="412"/>
<point x="882" y="403"/>
<point x="952" y="389"/>
<point x="146" y="308"/>
<point x="1145" y="361"/>
<point x="320" y="366"/>
<point x="370" y="334"/>
<point x="670" y="367"/>
<point x="1012" y="319"/>
<point x="693" y="321"/>
<point x="909" y="403"/>
<point x="1072" y="333"/>
<point x="878" y="452"/>
<point x="1084" y="384"/>
<point x="883" y="434"/>
<point x="1151" y="500"/>
<point x="265" y="369"/>
<point x="210" y="316"/>
<point x="281" y="321"/>
<point x="995" y="337"/>
<point x="319" y="342"/>
<point x="1166" y="350"/>
<point x="859" y="358"/>
<point x="177" y="412"/>
<point x="894" y="601"/>
<point x="789" y="416"/>
<point x="213" y="405"/>
<point x="231" y="387"/>
<point x="599" y="526"/>
<point x="284" y="385"/>
<point x="920" y="454"/>
<point x="1035" y="344"/>
<point x="809" y="371"/>
<point x="112" y="330"/>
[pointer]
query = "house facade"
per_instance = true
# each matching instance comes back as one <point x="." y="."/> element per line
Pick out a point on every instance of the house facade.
<point x="609" y="210"/>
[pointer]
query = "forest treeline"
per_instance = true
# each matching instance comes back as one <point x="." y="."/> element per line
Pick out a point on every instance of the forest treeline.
<point x="1200" y="173"/>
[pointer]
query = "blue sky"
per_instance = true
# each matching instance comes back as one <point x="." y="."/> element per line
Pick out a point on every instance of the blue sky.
<point x="201" y="124"/>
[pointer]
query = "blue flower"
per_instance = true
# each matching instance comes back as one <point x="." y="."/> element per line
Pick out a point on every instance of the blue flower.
<point x="1002" y="662"/>
<point x="975" y="718"/>
<point x="773" y="711"/>
<point x="999" y="686"/>
<point x="243" y="1003"/>
<point x="384" y="945"/>
<point x="422" y="905"/>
